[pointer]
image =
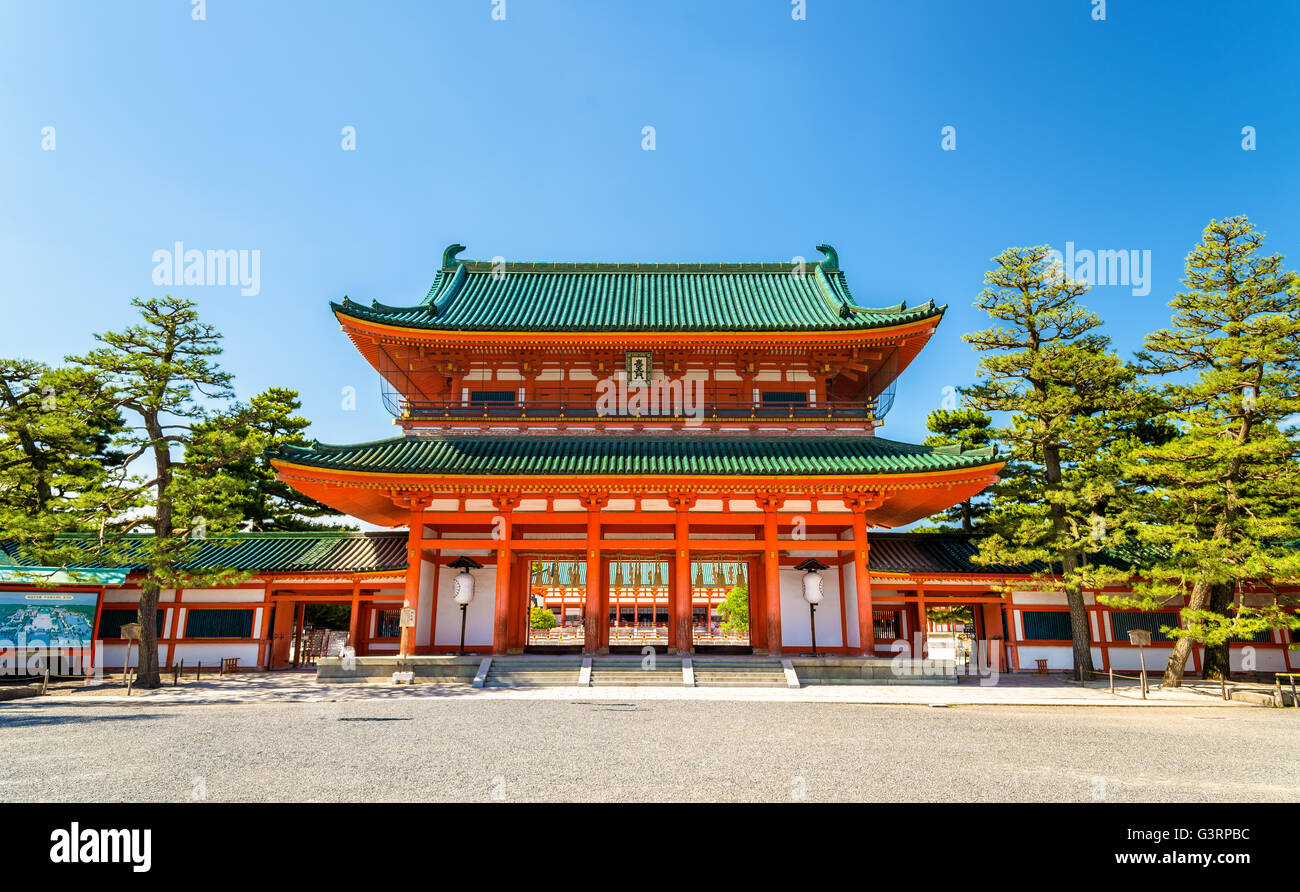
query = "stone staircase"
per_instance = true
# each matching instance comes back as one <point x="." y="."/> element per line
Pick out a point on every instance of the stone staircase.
<point x="738" y="672"/>
<point x="628" y="671"/>
<point x="532" y="670"/>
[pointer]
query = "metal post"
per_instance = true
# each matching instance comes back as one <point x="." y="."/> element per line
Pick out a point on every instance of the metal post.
<point x="812" y="622"/>
<point x="461" y="652"/>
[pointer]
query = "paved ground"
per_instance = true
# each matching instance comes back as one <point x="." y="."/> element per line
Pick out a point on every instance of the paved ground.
<point x="1010" y="690"/>
<point x="516" y="749"/>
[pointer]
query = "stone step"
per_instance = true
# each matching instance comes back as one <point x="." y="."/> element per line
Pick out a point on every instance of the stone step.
<point x="754" y="680"/>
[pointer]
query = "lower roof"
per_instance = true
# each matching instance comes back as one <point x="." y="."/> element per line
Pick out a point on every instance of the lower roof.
<point x="363" y="552"/>
<point x="638" y="456"/>
<point x="327" y="551"/>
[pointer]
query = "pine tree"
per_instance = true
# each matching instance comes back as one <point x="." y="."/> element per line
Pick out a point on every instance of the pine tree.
<point x="1049" y="369"/>
<point x="1221" y="501"/>
<point x="966" y="429"/>
<point x="266" y="503"/>
<point x="55" y="451"/>
<point x="161" y="374"/>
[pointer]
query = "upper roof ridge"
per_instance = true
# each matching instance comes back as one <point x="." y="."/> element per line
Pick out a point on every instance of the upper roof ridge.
<point x="646" y="297"/>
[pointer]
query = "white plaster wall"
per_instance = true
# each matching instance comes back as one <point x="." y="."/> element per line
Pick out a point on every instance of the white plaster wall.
<point x="478" y="618"/>
<point x="795" y="629"/>
<point x="201" y="595"/>
<point x="1057" y="657"/>
<point x="132" y="595"/>
<point x="424" y="608"/>
<point x="1123" y="659"/>
<point x="1044" y="598"/>
<point x="1267" y="659"/>
<point x="850" y="595"/>
<point x="212" y="654"/>
<point x="1052" y="599"/>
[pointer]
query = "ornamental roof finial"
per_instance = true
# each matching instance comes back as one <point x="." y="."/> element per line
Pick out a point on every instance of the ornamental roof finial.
<point x="832" y="260"/>
<point x="449" y="255"/>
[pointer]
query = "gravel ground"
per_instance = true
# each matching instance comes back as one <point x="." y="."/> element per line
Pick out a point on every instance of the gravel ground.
<point x="529" y="750"/>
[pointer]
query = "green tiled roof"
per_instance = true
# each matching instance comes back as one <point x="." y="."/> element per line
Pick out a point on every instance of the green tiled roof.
<point x="930" y="553"/>
<point x="638" y="297"/>
<point x="953" y="553"/>
<point x="15" y="575"/>
<point x="315" y="552"/>
<point x="646" y="456"/>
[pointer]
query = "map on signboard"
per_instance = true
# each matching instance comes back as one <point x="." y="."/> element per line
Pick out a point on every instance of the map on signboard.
<point x="47" y="618"/>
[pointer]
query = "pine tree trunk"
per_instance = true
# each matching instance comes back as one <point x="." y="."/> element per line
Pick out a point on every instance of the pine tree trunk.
<point x="1080" y="629"/>
<point x="1173" y="676"/>
<point x="966" y="524"/>
<point x="147" y="675"/>
<point x="1217" y="663"/>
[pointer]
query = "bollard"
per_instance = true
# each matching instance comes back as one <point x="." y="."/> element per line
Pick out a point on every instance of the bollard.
<point x="1112" y="679"/>
<point x="176" y="673"/>
<point x="1223" y="686"/>
<point x="1277" y="683"/>
<point x="1295" y="704"/>
<point x="198" y="671"/>
<point x="45" y="682"/>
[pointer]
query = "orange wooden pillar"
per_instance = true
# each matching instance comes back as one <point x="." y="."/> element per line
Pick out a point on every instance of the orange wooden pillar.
<point x="594" y="613"/>
<point x="505" y="503"/>
<point x="923" y="624"/>
<point x="757" y="604"/>
<point x="354" y="617"/>
<point x="681" y="602"/>
<point x="411" y="596"/>
<point x="433" y="601"/>
<point x="299" y="619"/>
<point x="862" y="580"/>
<point x="995" y="634"/>
<point x="771" y="573"/>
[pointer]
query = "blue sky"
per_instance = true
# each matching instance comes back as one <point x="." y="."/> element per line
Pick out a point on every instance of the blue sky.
<point x="522" y="138"/>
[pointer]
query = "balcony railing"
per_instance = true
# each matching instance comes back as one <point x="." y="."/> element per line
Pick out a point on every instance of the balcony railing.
<point x="709" y="410"/>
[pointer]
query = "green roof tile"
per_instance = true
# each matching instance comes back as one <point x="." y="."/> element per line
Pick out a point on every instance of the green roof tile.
<point x="641" y="297"/>
<point x="646" y="456"/>
<point x="386" y="551"/>
<point x="310" y="552"/>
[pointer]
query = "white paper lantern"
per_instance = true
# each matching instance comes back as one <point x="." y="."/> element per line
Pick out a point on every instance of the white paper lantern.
<point x="463" y="591"/>
<point x="812" y="588"/>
